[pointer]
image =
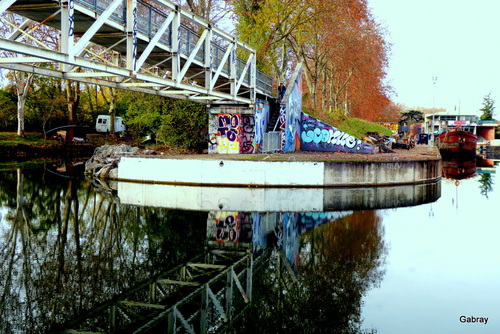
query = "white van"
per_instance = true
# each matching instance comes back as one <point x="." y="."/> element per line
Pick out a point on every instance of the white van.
<point x="103" y="124"/>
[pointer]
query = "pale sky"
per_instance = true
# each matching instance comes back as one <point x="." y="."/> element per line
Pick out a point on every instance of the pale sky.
<point x="453" y="40"/>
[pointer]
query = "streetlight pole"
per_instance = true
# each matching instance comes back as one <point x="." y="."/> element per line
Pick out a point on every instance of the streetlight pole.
<point x="434" y="79"/>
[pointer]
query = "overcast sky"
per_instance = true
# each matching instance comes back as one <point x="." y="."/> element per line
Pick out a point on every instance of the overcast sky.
<point x="455" y="41"/>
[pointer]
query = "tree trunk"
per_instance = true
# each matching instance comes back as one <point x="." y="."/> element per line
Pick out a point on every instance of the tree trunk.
<point x="73" y="100"/>
<point x="324" y="90"/>
<point x="112" y="111"/>
<point x="21" y="101"/>
<point x="22" y="86"/>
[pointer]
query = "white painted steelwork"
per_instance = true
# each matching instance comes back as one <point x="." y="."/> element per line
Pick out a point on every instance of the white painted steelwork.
<point x="153" y="47"/>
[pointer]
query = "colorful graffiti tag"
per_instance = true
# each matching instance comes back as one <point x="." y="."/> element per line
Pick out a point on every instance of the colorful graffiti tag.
<point x="262" y="109"/>
<point x="228" y="133"/>
<point x="248" y="143"/>
<point x="294" y="111"/>
<point x="319" y="136"/>
<point x="231" y="227"/>
<point x="237" y="130"/>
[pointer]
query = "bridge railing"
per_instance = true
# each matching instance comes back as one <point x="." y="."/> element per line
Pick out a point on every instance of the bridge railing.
<point x="149" y="20"/>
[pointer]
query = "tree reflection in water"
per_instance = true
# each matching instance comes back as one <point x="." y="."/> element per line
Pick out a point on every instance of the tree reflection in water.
<point x="337" y="264"/>
<point x="65" y="247"/>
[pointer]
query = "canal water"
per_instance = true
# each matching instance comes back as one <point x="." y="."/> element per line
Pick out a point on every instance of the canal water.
<point x="406" y="259"/>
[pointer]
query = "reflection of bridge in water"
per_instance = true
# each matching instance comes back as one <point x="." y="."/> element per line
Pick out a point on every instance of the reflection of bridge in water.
<point x="214" y="289"/>
<point x="205" y="294"/>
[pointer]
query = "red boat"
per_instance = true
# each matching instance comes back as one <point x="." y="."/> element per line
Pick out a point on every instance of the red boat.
<point x="457" y="142"/>
<point x="458" y="168"/>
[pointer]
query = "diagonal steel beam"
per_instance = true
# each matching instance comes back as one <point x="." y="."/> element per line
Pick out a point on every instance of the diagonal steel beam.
<point x="85" y="39"/>
<point x="5" y="4"/>
<point x="193" y="54"/>
<point x="154" y="40"/>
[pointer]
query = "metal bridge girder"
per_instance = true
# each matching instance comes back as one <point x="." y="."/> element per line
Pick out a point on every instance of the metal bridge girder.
<point x="161" y="54"/>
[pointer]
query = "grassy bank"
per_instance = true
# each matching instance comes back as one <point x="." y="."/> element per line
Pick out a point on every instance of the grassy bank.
<point x="354" y="126"/>
<point x="30" y="138"/>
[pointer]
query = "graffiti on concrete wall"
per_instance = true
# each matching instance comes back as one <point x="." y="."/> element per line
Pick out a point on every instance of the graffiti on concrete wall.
<point x="311" y="220"/>
<point x="319" y="136"/>
<point x="282" y="123"/>
<point x="294" y="111"/>
<point x="248" y="143"/>
<point x="262" y="110"/>
<point x="212" y="133"/>
<point x="236" y="130"/>
<point x="230" y="227"/>
<point x="290" y="244"/>
<point x="228" y="133"/>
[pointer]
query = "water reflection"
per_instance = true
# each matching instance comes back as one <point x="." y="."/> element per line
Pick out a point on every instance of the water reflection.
<point x="441" y="265"/>
<point x="69" y="244"/>
<point x="464" y="167"/>
<point x="65" y="248"/>
<point x="336" y="263"/>
<point x="274" y="199"/>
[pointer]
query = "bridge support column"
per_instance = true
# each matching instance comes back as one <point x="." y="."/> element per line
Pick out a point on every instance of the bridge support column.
<point x="231" y="130"/>
<point x="131" y="35"/>
<point x="66" y="42"/>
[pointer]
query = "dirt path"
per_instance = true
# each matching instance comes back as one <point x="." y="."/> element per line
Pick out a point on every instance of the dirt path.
<point x="420" y="152"/>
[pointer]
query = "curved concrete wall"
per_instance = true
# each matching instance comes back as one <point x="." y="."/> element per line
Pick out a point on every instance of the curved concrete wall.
<point x="277" y="173"/>
<point x="245" y="199"/>
<point x="356" y="173"/>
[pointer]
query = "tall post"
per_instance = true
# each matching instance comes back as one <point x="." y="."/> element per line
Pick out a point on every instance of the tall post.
<point x="208" y="60"/>
<point x="434" y="79"/>
<point x="176" y="61"/>
<point x="131" y="35"/>
<point x="66" y="40"/>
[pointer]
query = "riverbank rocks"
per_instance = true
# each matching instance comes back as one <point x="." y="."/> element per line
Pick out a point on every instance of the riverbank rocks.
<point x="104" y="163"/>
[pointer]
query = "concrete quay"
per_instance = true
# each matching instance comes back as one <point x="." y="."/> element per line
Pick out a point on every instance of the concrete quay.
<point x="302" y="169"/>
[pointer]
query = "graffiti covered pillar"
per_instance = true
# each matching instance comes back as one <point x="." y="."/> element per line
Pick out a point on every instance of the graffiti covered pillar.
<point x="237" y="129"/>
<point x="290" y="113"/>
<point x="225" y="129"/>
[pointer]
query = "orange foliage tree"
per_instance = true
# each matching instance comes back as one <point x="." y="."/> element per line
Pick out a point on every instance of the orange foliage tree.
<point x="339" y="42"/>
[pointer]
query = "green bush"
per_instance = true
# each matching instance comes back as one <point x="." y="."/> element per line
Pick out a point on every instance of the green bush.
<point x="185" y="125"/>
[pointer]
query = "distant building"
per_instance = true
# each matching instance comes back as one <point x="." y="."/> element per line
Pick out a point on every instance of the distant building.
<point x="436" y="123"/>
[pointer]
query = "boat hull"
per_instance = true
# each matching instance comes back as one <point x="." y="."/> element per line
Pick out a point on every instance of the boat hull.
<point x="459" y="168"/>
<point x="457" y="142"/>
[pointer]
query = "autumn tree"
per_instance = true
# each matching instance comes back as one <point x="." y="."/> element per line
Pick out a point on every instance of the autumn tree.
<point x="391" y="113"/>
<point x="488" y="108"/>
<point x="45" y="103"/>
<point x="356" y="62"/>
<point x="213" y="11"/>
<point x="411" y="117"/>
<point x="341" y="46"/>
<point x="268" y="26"/>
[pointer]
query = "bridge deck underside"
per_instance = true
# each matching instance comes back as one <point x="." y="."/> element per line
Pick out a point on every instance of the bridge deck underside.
<point x="112" y="35"/>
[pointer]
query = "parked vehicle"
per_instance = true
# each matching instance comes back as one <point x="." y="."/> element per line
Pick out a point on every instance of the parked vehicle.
<point x="423" y="138"/>
<point x="103" y="124"/>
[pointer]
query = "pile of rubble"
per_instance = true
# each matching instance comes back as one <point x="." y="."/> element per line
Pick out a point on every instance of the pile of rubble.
<point x="386" y="144"/>
<point x="104" y="163"/>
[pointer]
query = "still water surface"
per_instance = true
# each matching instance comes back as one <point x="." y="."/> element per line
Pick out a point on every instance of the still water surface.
<point x="388" y="260"/>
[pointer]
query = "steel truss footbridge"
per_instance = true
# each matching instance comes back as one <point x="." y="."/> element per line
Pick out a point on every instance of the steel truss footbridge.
<point x="153" y="47"/>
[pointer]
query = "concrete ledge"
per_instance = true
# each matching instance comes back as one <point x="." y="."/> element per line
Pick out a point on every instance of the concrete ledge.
<point x="356" y="173"/>
<point x="232" y="172"/>
<point x="269" y="199"/>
